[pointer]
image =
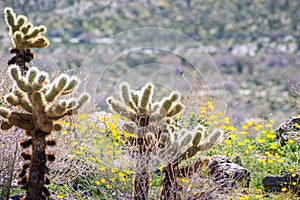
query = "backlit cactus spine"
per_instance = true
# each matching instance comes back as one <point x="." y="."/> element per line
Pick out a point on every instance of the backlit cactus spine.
<point x="24" y="36"/>
<point x="40" y="109"/>
<point x="186" y="145"/>
<point x="148" y="122"/>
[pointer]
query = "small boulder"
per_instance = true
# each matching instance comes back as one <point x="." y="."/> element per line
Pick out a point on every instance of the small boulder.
<point x="290" y="181"/>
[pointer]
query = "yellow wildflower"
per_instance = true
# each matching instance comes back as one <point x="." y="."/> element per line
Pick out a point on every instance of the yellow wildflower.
<point x="243" y="132"/>
<point x="121" y="174"/>
<point x="232" y="136"/>
<point x="240" y="143"/>
<point x="270" y="161"/>
<point x="294" y="183"/>
<point x="202" y="110"/>
<point x="232" y="129"/>
<point x="264" y="132"/>
<point x="257" y="127"/>
<point x="268" y="154"/>
<point x="226" y="120"/>
<point x="271" y="136"/>
<point x="247" y="141"/>
<point x="113" y="179"/>
<point x="102" y="169"/>
<point x="210" y="106"/>
<point x="249" y="123"/>
<point x="184" y="180"/>
<point x="97" y="183"/>
<point x="273" y="146"/>
<point x="290" y="141"/>
<point x="59" y="196"/>
<point x="109" y="187"/>
<point x="250" y="147"/>
<point x="269" y="125"/>
<point x="227" y="142"/>
<point x="262" y="161"/>
<point x="259" y="140"/>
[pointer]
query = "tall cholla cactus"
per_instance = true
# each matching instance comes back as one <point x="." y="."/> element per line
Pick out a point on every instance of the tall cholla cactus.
<point x="151" y="123"/>
<point x="148" y="122"/>
<point x="40" y="110"/>
<point x="185" y="145"/>
<point x="24" y="36"/>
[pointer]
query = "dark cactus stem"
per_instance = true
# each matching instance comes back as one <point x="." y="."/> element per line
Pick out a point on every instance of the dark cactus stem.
<point x="22" y="57"/>
<point x="141" y="186"/>
<point x="38" y="169"/>
<point x="142" y="178"/>
<point x="171" y="189"/>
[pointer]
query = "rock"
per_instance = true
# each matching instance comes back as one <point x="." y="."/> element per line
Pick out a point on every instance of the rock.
<point x="227" y="174"/>
<point x="289" y="130"/>
<point x="290" y="181"/>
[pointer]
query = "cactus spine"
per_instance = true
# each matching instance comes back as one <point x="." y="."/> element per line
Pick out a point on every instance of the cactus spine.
<point x="24" y="36"/>
<point x="39" y="111"/>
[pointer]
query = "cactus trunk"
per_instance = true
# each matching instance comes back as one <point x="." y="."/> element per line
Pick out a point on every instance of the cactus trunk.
<point x="21" y="58"/>
<point x="141" y="186"/>
<point x="171" y="189"/>
<point x="142" y="177"/>
<point x="38" y="169"/>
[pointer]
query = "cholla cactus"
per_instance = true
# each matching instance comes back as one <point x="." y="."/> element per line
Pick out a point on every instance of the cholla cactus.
<point x="149" y="123"/>
<point x="186" y="145"/>
<point x="40" y="110"/>
<point x="24" y="36"/>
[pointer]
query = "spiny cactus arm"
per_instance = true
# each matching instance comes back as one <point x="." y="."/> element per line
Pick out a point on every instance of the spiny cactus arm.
<point x="135" y="98"/>
<point x="15" y="74"/>
<point x="21" y="120"/>
<point x="34" y="32"/>
<point x="164" y="140"/>
<point x="150" y="139"/>
<point x="71" y="86"/>
<point x="125" y="95"/>
<point x="56" y="88"/>
<point x="168" y="107"/>
<point x="146" y="98"/>
<point x="14" y="22"/>
<point x="40" y="81"/>
<point x="5" y="125"/>
<point x="176" y="109"/>
<point x="24" y="35"/>
<point x="18" y="99"/>
<point x="212" y="139"/>
<point x="167" y="102"/>
<point x="64" y="108"/>
<point x="4" y="112"/>
<point x="25" y="29"/>
<point x="121" y="109"/>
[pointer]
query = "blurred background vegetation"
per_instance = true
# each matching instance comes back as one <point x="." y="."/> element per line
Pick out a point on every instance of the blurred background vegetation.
<point x="255" y="43"/>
